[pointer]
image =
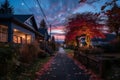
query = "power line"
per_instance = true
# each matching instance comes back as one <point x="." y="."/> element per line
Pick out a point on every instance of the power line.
<point x="44" y="15"/>
<point x="42" y="11"/>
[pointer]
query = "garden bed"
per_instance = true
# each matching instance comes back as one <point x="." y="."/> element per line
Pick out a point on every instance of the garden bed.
<point x="21" y="63"/>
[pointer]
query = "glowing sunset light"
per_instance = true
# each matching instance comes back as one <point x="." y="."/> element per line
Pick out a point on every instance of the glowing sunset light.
<point x="59" y="37"/>
<point x="58" y="33"/>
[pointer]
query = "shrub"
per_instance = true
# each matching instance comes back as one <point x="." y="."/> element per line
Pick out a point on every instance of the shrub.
<point x="96" y="51"/>
<point x="29" y="52"/>
<point x="113" y="73"/>
<point x="42" y="54"/>
<point x="8" y="60"/>
<point x="116" y="45"/>
<point x="91" y="50"/>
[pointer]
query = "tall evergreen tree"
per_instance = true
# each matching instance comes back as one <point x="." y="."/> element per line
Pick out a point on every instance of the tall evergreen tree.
<point x="6" y="8"/>
<point x="43" y="24"/>
<point x="43" y="29"/>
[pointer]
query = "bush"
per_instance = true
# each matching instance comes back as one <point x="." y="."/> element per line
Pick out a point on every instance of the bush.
<point x="91" y="50"/>
<point x="8" y="60"/>
<point x="42" y="54"/>
<point x="113" y="73"/>
<point x="96" y="51"/>
<point x="116" y="45"/>
<point x="29" y="52"/>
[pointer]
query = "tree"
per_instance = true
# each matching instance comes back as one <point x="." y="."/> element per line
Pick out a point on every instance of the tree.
<point x="6" y="8"/>
<point x="43" y="24"/>
<point x="113" y="14"/>
<point x="43" y="30"/>
<point x="87" y="24"/>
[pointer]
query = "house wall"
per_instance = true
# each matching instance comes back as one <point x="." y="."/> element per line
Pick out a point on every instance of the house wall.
<point x="14" y="26"/>
<point x="10" y="33"/>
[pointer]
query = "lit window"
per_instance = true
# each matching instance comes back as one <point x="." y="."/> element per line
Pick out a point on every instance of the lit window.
<point x="21" y="37"/>
<point x="3" y="33"/>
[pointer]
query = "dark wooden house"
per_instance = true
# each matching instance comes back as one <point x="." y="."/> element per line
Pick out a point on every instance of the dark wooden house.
<point x="18" y="29"/>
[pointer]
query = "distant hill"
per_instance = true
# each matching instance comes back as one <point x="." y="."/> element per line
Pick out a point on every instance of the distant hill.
<point x="59" y="41"/>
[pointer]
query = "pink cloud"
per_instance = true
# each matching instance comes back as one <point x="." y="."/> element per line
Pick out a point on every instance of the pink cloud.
<point x="59" y="37"/>
<point x="57" y="32"/>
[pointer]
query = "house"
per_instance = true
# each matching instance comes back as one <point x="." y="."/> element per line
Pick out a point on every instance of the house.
<point x="18" y="28"/>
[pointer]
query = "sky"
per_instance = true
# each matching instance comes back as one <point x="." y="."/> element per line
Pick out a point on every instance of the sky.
<point x="56" y="11"/>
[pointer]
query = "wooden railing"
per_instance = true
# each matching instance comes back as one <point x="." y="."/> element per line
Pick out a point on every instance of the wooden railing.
<point x="98" y="64"/>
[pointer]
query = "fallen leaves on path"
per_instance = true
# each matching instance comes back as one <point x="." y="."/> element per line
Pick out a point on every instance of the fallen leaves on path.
<point x="44" y="69"/>
<point x="93" y="76"/>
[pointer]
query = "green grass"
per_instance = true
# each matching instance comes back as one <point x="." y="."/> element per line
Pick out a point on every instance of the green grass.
<point x="69" y="51"/>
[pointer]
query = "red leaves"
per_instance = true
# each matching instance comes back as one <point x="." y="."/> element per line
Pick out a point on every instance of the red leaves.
<point x="83" y="24"/>
<point x="44" y="68"/>
<point x="93" y="76"/>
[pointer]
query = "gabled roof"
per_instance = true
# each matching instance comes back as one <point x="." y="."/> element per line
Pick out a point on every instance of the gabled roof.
<point x="5" y="16"/>
<point x="22" y="18"/>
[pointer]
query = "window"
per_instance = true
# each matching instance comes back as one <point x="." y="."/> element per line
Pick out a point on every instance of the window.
<point x="21" y="37"/>
<point x="3" y="33"/>
<point x="28" y="38"/>
<point x="17" y="39"/>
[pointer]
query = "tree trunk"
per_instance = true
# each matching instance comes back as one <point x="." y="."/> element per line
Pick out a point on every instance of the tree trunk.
<point x="117" y="34"/>
<point x="77" y="41"/>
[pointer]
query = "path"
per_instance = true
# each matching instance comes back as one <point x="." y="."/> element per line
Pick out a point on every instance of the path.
<point x="64" y="68"/>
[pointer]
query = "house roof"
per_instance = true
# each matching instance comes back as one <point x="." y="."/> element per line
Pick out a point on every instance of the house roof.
<point x="20" y="19"/>
<point x="24" y="18"/>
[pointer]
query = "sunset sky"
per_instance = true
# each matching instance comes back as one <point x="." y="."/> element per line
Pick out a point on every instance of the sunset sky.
<point x="56" y="11"/>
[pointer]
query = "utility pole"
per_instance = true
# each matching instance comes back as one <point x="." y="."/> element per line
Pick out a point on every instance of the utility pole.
<point x="50" y="30"/>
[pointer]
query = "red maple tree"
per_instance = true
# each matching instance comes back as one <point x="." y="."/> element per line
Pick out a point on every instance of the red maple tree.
<point x="83" y="24"/>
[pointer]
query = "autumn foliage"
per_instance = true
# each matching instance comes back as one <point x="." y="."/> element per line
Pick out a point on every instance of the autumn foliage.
<point x="113" y="15"/>
<point x="86" y="23"/>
